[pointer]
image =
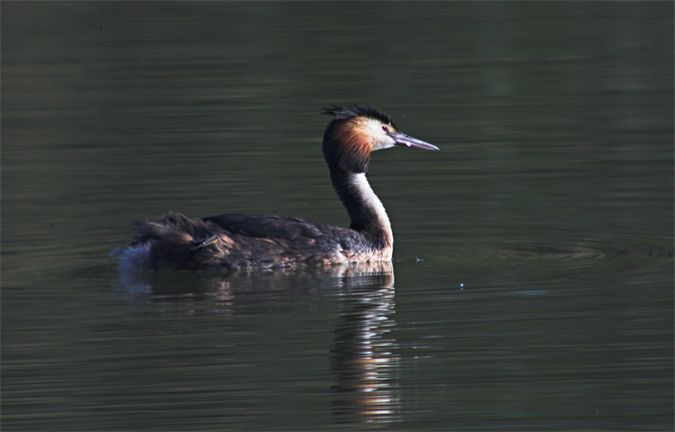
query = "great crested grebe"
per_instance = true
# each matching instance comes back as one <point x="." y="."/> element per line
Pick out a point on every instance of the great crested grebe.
<point x="233" y="241"/>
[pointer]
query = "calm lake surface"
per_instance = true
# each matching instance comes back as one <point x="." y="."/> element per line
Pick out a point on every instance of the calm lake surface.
<point x="532" y="286"/>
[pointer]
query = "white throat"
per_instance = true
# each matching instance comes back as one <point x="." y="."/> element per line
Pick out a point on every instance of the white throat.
<point x="373" y="202"/>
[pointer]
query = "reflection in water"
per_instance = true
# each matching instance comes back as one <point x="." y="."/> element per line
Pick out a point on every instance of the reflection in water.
<point x="363" y="358"/>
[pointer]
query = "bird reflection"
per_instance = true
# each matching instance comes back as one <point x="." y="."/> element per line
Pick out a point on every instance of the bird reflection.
<point x="363" y="355"/>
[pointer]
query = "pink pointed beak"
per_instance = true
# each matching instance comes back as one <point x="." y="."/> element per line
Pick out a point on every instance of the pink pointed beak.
<point x="408" y="141"/>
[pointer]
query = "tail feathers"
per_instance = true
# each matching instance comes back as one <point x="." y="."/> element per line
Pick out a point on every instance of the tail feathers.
<point x="172" y="223"/>
<point x="176" y="242"/>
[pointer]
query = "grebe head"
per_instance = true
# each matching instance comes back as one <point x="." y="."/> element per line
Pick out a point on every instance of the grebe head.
<point x="358" y="130"/>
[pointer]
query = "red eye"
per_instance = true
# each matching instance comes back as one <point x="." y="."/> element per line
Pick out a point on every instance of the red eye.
<point x="385" y="128"/>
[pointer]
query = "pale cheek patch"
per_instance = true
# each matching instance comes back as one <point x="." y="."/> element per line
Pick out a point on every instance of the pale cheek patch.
<point x="379" y="138"/>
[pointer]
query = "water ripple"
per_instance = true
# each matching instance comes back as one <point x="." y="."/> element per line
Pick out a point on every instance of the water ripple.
<point x="584" y="252"/>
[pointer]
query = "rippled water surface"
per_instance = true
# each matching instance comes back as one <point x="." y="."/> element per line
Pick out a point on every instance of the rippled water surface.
<point x="532" y="286"/>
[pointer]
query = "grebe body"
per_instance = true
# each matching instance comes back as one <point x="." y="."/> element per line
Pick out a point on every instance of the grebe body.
<point x="234" y="241"/>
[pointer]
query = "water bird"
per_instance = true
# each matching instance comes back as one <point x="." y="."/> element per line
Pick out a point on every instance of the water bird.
<point x="238" y="241"/>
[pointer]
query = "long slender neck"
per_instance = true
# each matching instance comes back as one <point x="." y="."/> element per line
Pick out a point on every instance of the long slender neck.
<point x="365" y="209"/>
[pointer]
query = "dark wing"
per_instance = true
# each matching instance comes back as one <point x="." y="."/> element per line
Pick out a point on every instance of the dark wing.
<point x="283" y="228"/>
<point x="177" y="242"/>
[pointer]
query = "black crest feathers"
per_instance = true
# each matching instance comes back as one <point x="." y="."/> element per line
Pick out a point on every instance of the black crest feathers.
<point x="351" y="111"/>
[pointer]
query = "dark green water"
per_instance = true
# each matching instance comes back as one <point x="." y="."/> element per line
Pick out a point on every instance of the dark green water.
<point x="533" y="282"/>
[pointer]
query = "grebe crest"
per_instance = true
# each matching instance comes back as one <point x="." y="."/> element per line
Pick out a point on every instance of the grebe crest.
<point x="234" y="241"/>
